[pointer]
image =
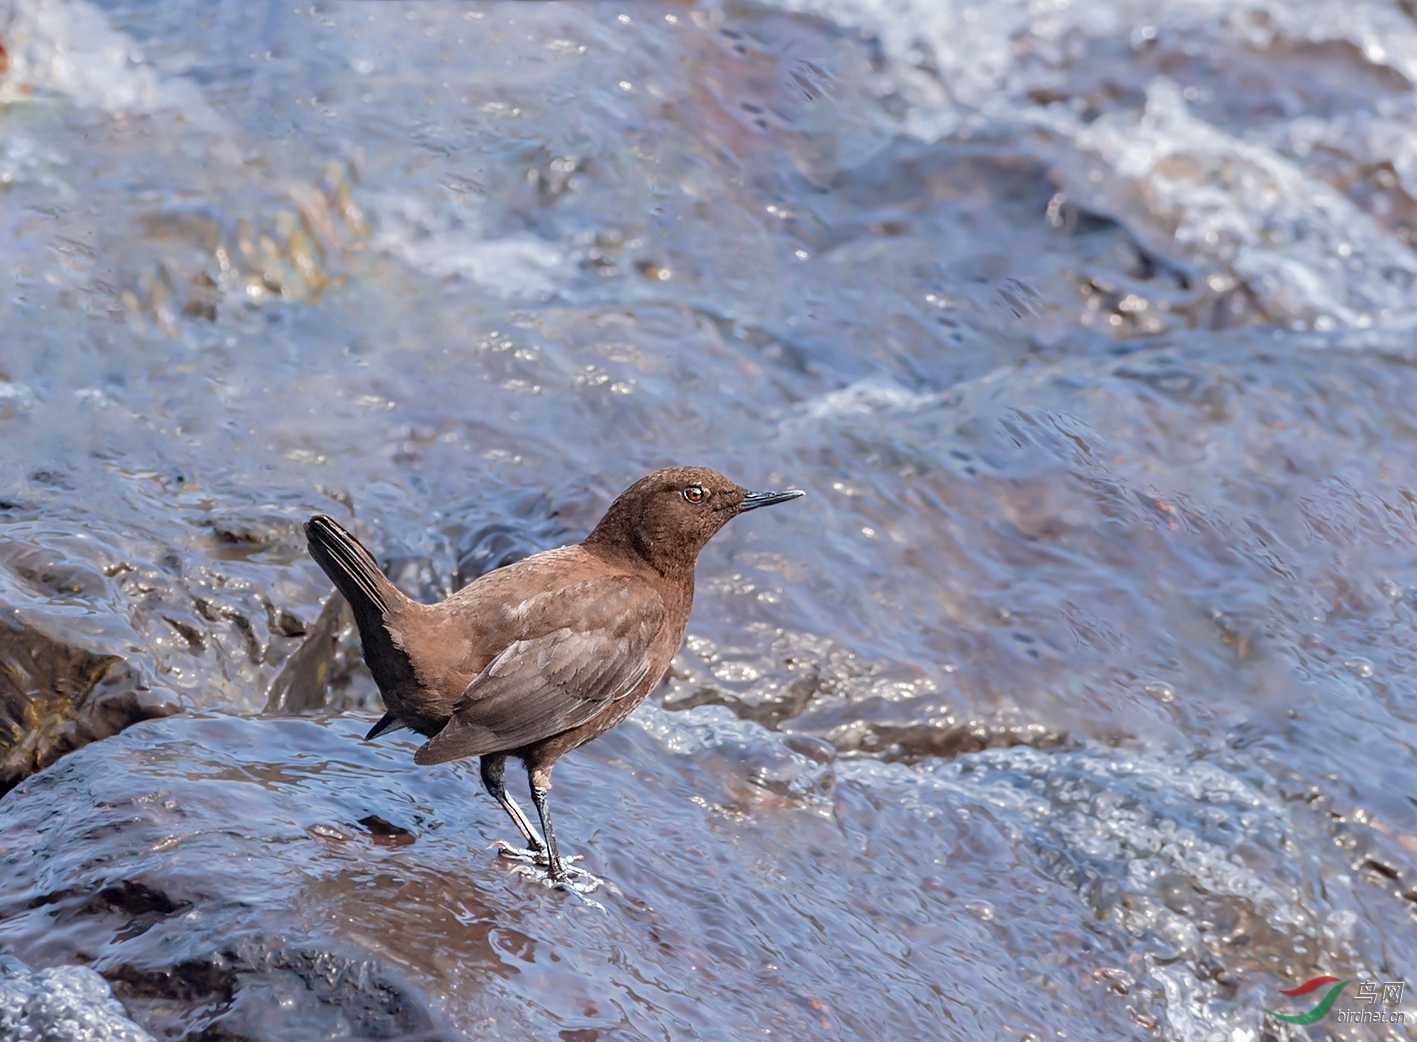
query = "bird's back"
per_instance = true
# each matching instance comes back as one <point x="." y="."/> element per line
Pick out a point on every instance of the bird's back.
<point x="449" y="643"/>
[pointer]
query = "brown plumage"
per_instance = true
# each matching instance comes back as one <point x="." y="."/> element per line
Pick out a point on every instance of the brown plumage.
<point x="539" y="657"/>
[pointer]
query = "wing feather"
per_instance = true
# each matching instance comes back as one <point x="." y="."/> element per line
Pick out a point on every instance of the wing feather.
<point x="578" y="649"/>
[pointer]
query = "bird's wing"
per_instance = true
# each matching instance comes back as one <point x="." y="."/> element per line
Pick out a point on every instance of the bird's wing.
<point x="578" y="649"/>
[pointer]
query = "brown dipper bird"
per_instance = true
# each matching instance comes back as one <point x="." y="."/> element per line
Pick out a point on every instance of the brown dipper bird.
<point x="539" y="657"/>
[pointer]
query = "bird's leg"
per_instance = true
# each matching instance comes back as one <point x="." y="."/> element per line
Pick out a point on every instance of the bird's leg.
<point x="540" y="789"/>
<point x="493" y="769"/>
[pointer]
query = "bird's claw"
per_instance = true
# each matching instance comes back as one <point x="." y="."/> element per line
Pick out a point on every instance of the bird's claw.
<point x="580" y="884"/>
<point x="535" y="857"/>
<point x="574" y="879"/>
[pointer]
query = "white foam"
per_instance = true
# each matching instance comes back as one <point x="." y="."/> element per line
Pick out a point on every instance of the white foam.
<point x="67" y="46"/>
<point x="869" y="397"/>
<point x="449" y="241"/>
<point x="1182" y="185"/>
<point x="61" y="1004"/>
<point x="981" y="49"/>
<point x="1300" y="246"/>
<point x="15" y="398"/>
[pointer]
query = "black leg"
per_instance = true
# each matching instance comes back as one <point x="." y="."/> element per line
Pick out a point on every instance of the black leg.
<point x="493" y="768"/>
<point x="539" y="795"/>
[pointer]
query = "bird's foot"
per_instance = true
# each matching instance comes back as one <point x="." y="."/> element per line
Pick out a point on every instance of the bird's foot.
<point x="533" y="857"/>
<point x="579" y="882"/>
<point x="574" y="879"/>
<point x="530" y="857"/>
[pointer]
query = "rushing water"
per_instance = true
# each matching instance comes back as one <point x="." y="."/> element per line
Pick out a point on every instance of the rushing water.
<point x="1076" y="701"/>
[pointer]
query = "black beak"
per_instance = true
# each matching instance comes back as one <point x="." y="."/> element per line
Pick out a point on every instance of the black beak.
<point x="753" y="500"/>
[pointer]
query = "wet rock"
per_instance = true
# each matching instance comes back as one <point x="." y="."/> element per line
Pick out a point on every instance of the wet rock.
<point x="263" y="990"/>
<point x="244" y="531"/>
<point x="324" y="659"/>
<point x="281" y="879"/>
<point x="912" y="742"/>
<point x="61" y="1004"/>
<point x="386" y="832"/>
<point x="56" y="696"/>
<point x="178" y="930"/>
<point x="818" y="692"/>
<point x="770" y="708"/>
<point x="417" y="575"/>
<point x="117" y="618"/>
<point x="490" y="546"/>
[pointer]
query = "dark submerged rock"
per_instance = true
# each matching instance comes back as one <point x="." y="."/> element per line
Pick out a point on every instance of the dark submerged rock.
<point x="56" y="696"/>
<point x="324" y="659"/>
<point x="160" y="892"/>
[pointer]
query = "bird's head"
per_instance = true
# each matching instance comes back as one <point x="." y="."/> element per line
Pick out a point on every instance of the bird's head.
<point x="669" y="516"/>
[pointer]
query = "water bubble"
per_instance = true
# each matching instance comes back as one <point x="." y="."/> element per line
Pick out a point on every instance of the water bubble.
<point x="15" y="398"/>
<point x="981" y="910"/>
<point x="1161" y="692"/>
<point x="1359" y="667"/>
<point x="328" y="832"/>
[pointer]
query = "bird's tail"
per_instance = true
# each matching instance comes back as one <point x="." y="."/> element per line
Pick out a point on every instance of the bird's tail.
<point x="369" y="593"/>
<point x="352" y="568"/>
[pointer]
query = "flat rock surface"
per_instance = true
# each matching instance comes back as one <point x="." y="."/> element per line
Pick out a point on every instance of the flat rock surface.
<point x="283" y="879"/>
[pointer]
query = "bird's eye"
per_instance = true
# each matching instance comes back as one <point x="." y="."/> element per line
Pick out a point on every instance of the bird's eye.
<point x="694" y="494"/>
